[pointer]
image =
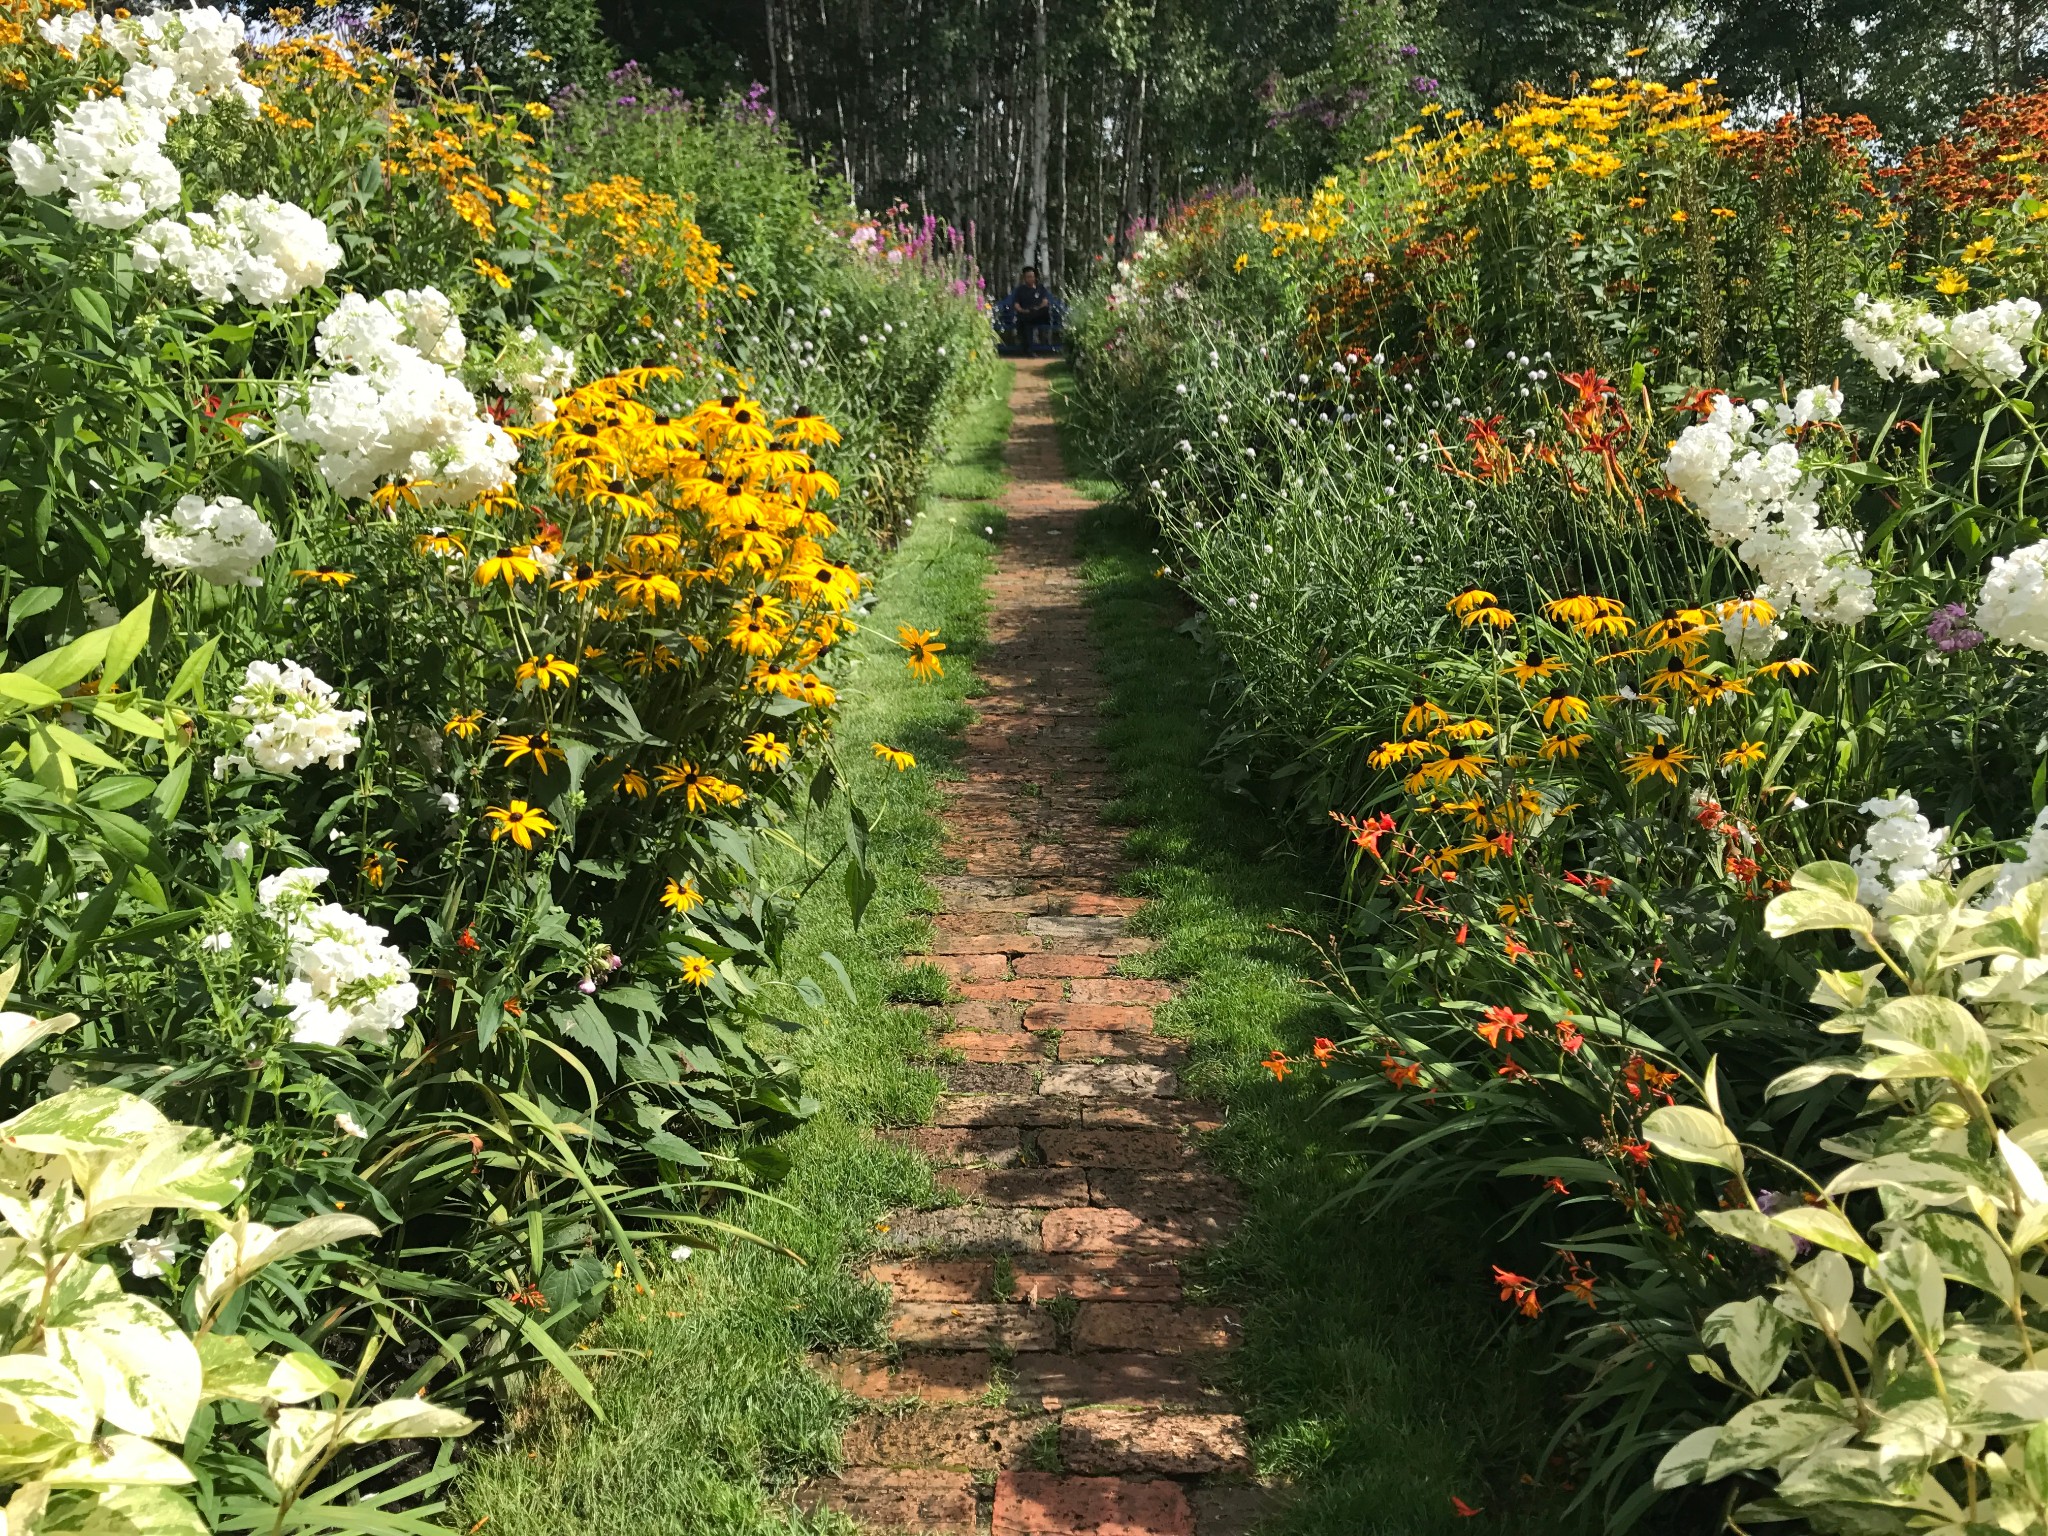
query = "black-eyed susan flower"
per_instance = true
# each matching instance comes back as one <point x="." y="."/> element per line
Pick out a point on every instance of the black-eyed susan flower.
<point x="539" y="746"/>
<point x="923" y="647"/>
<point x="1792" y="666"/>
<point x="582" y="579"/>
<point x="697" y="971"/>
<point x="1464" y="730"/>
<point x="900" y="760"/>
<point x="1389" y="754"/>
<point x="325" y="575"/>
<point x="634" y="783"/>
<point x="463" y="726"/>
<point x="510" y="566"/>
<point x="438" y="543"/>
<point x="698" y="788"/>
<point x="1747" y="755"/>
<point x="1712" y="690"/>
<point x="546" y="672"/>
<point x="807" y="428"/>
<point x="1470" y="601"/>
<point x="1682" y="628"/>
<point x="1458" y="761"/>
<point x="753" y="636"/>
<point x="1557" y="747"/>
<point x="1675" y="674"/>
<point x="1663" y="759"/>
<point x="1533" y="666"/>
<point x="1492" y="616"/>
<point x="1562" y="706"/>
<point x="1581" y="610"/>
<point x="766" y="750"/>
<point x="523" y="823"/>
<point x="819" y="695"/>
<point x="681" y="895"/>
<point x="1421" y="715"/>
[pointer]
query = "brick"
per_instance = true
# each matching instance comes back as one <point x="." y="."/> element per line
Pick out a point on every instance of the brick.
<point x="1103" y="1230"/>
<point x="1161" y="1114"/>
<point x="984" y="943"/>
<point x="1119" y="989"/>
<point x="1119" y="1080"/>
<point x="977" y="967"/>
<point x="939" y="1325"/>
<point x="1030" y="991"/>
<point x="964" y="1229"/>
<point x="1048" y="927"/>
<point x="1153" y="1192"/>
<point x="1102" y="1018"/>
<point x="1144" y="1380"/>
<point x="993" y="1046"/>
<point x="988" y="1077"/>
<point x="1114" y="948"/>
<point x="937" y="1279"/>
<point x="898" y="1500"/>
<point x="1090" y="904"/>
<point x="949" y="1145"/>
<point x="978" y="1439"/>
<point x="1111" y="1440"/>
<point x="1093" y="1045"/>
<point x="1095" y="1277"/>
<point x="1231" y="1509"/>
<point x="982" y="1015"/>
<point x="1048" y="1188"/>
<point x="970" y="885"/>
<point x="1064" y="965"/>
<point x="1003" y="1109"/>
<point x="1152" y="1326"/>
<point x="1048" y="1504"/>
<point x="1112" y="1147"/>
<point x="940" y="1378"/>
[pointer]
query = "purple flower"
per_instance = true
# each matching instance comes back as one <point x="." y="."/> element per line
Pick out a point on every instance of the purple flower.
<point x="586" y="986"/>
<point x="1950" y="630"/>
<point x="1425" y="85"/>
<point x="1770" y="1200"/>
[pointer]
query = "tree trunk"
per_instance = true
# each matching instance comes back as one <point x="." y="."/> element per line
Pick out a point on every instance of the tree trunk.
<point x="774" y="70"/>
<point x="1133" y="168"/>
<point x="1041" y="143"/>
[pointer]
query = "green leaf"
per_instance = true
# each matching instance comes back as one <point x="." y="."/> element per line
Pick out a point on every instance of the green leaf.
<point x="1686" y="1462"/>
<point x="83" y="1120"/>
<point x="1692" y="1136"/>
<point x="1756" y="1335"/>
<point x="544" y="1344"/>
<point x="1824" y="1227"/>
<point x="1965" y="1251"/>
<point x="93" y="310"/>
<point x="1933" y="1178"/>
<point x="134" y="1509"/>
<point x="1910" y="1275"/>
<point x="193" y="673"/>
<point x="1823" y="897"/>
<point x="1774" y="1431"/>
<point x="44" y="1412"/>
<point x="118" y="1460"/>
<point x="29" y="602"/>
<point x="71" y="663"/>
<point x="1937" y="1028"/>
<point x="1751" y="1227"/>
<point x="247" y="1246"/>
<point x="126" y="642"/>
<point x="138" y="1367"/>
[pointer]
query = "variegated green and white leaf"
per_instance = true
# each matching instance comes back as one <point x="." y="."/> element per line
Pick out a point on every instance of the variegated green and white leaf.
<point x="138" y="1368"/>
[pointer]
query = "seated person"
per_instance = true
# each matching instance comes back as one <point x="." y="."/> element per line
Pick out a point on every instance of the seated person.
<point x="1031" y="304"/>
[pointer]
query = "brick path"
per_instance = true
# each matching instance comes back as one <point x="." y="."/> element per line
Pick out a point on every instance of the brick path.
<point x="1045" y="1376"/>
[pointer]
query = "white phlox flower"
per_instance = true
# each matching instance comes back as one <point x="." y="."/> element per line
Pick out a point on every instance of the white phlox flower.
<point x="345" y="983"/>
<point x="2015" y="875"/>
<point x="2013" y="607"/>
<point x="221" y="541"/>
<point x="291" y="722"/>
<point x="1744" y="474"/>
<point x="1899" y="847"/>
<point x="258" y="247"/>
<point x="1902" y="338"/>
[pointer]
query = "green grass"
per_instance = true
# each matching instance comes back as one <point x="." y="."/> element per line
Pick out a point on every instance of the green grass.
<point x="712" y="1415"/>
<point x="1377" y="1372"/>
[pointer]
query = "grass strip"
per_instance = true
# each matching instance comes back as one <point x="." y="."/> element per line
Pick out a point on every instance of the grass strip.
<point x="1376" y="1372"/>
<point x="711" y="1413"/>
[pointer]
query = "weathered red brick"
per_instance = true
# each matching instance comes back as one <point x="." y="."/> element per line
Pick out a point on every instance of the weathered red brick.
<point x="977" y="1438"/>
<point x="953" y="1144"/>
<point x="1033" y="990"/>
<point x="938" y="1325"/>
<point x="937" y="1279"/>
<point x="931" y="1378"/>
<point x="1108" y="1440"/>
<point x="961" y="1229"/>
<point x="1143" y="1381"/>
<point x="899" y="1500"/>
<point x="1119" y="989"/>
<point x="984" y="943"/>
<point x="1101" y="1018"/>
<point x="1158" y="1192"/>
<point x="1095" y="1277"/>
<point x="1103" y="1230"/>
<point x="1003" y="1109"/>
<point x="993" y="1045"/>
<point x="1152" y="1326"/>
<point x="1095" y="1045"/>
<point x="1159" y="1114"/>
<point x="1110" y="1080"/>
<point x="1112" y="1147"/>
<point x="993" y="966"/>
<point x="1064" y="965"/>
<point x="1048" y="1504"/>
<point x="1048" y="1188"/>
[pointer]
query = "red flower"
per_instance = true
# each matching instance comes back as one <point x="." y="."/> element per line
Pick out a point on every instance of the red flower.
<point x="1557" y="1186"/>
<point x="468" y="941"/>
<point x="1568" y="1037"/>
<point x="1602" y="884"/>
<point x="1463" y="930"/>
<point x="1324" y="1050"/>
<point x="1639" y="1150"/>
<point x="1518" y="1289"/>
<point x="1512" y="1068"/>
<point x="1516" y="949"/>
<point x="1460" y="1507"/>
<point x="1402" y="1074"/>
<point x="1502" y="1023"/>
<point x="1277" y="1064"/>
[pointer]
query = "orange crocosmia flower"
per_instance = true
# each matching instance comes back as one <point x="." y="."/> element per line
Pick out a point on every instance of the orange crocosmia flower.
<point x="1511" y="1068"/>
<point x="1518" y="1289"/>
<point x="1402" y="1074"/>
<point x="1460" y="1507"/>
<point x="1516" y="949"/>
<point x="1278" y="1064"/>
<point x="1502" y="1023"/>
<point x="1325" y="1050"/>
<point x="1568" y="1037"/>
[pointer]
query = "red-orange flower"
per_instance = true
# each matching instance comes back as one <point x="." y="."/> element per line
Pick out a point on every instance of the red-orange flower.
<point x="1402" y="1074"/>
<point x="1518" y="1289"/>
<point x="1568" y="1037"/>
<point x="1325" y="1050"/>
<point x="1278" y="1065"/>
<point x="1501" y="1023"/>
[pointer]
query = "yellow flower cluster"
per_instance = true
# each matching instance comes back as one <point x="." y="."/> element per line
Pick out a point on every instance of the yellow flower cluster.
<point x="646" y="229"/>
<point x="1291" y="223"/>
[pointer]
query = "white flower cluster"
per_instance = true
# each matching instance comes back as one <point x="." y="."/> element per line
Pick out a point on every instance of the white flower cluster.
<point x="292" y="722"/>
<point x="2016" y="875"/>
<point x="1901" y="338"/>
<point x="391" y="410"/>
<point x="1900" y="847"/>
<point x="1129" y="287"/>
<point x="1745" y="476"/>
<point x="533" y="369"/>
<point x="108" y="151"/>
<point x="2013" y="607"/>
<point x="1750" y="635"/>
<point x="220" y="541"/>
<point x="346" y="983"/>
<point x="265" y="250"/>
